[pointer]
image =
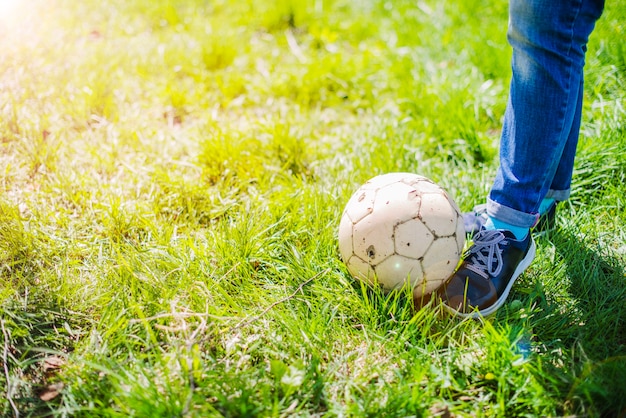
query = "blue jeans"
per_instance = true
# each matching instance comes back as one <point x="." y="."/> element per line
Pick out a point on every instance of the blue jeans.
<point x="542" y="118"/>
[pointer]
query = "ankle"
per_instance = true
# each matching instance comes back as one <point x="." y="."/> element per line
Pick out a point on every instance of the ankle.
<point x="545" y="205"/>
<point x="519" y="231"/>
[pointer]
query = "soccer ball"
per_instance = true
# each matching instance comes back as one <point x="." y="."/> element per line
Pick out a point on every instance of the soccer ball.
<point x="401" y="228"/>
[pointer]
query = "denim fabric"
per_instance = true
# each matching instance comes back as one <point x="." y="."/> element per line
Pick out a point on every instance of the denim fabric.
<point x="542" y="118"/>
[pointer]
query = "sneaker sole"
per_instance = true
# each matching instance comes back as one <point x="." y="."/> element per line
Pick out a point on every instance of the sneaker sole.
<point x="521" y="267"/>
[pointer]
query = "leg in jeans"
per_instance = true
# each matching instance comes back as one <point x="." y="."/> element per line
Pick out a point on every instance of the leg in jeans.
<point x="537" y="148"/>
<point x="560" y="188"/>
<point x="542" y="119"/>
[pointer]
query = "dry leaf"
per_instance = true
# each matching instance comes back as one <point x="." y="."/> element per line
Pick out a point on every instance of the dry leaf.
<point x="53" y="363"/>
<point x="50" y="392"/>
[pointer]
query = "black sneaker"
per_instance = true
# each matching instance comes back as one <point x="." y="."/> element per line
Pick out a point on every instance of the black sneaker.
<point x="484" y="279"/>
<point x="475" y="220"/>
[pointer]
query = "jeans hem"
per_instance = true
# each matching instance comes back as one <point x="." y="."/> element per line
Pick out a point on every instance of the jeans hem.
<point x="510" y="215"/>
<point x="558" y="195"/>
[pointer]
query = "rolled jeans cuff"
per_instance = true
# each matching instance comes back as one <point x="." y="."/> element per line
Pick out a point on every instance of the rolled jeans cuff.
<point x="558" y="195"/>
<point x="510" y="215"/>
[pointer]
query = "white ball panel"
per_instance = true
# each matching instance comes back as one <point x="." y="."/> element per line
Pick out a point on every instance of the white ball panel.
<point x="360" y="269"/>
<point x="425" y="185"/>
<point x="360" y="204"/>
<point x="454" y="205"/>
<point x="438" y="214"/>
<point x="412" y="238"/>
<point x="371" y="239"/>
<point x="441" y="260"/>
<point x="345" y="237"/>
<point x="396" y="270"/>
<point x="460" y="234"/>
<point x="396" y="203"/>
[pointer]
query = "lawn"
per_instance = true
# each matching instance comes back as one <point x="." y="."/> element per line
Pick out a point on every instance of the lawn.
<point x="172" y="178"/>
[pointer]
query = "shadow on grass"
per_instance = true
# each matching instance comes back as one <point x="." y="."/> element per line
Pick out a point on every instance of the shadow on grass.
<point x="588" y="319"/>
<point x="37" y="334"/>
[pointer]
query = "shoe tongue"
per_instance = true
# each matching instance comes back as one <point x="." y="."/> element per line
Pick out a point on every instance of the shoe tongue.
<point x="508" y="234"/>
<point x="513" y="240"/>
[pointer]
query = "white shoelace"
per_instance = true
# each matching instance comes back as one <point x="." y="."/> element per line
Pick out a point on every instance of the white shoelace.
<point x="486" y="249"/>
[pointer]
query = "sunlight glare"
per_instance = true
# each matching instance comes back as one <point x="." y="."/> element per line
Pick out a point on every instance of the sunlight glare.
<point x="8" y="9"/>
<point x="13" y="25"/>
<point x="6" y="6"/>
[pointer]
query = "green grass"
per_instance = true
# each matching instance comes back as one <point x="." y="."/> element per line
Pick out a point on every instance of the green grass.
<point x="173" y="175"/>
